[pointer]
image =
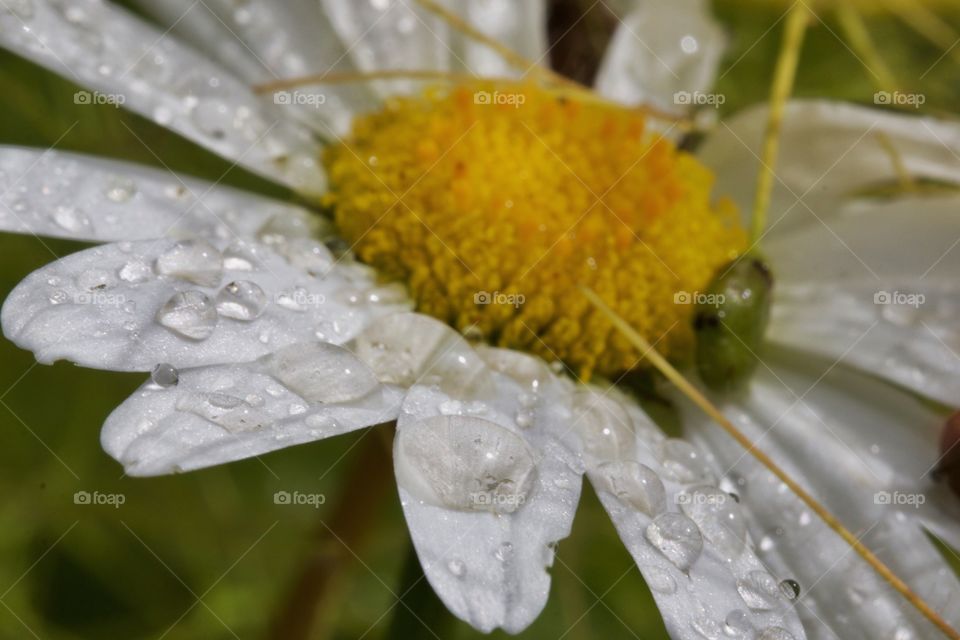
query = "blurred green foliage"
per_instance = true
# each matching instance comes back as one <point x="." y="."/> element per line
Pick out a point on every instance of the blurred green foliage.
<point x="208" y="554"/>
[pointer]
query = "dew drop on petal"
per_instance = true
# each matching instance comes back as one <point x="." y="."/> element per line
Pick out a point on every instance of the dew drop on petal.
<point x="682" y="462"/>
<point x="190" y="313"/>
<point x="135" y="271"/>
<point x="239" y="256"/>
<point x="212" y="117"/>
<point x="165" y="375"/>
<point x="718" y="516"/>
<point x="790" y="589"/>
<point x="737" y="624"/>
<point x="634" y="484"/>
<point x="321" y="372"/>
<point x="120" y="189"/>
<point x="71" y="219"/>
<point x="504" y="552"/>
<point x="677" y="537"/>
<point x="241" y="300"/>
<point x="196" y="261"/>
<point x="604" y="426"/>
<point x="457" y="567"/>
<point x="464" y="463"/>
<point x="759" y="590"/>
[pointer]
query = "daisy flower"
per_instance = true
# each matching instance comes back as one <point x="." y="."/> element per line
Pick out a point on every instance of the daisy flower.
<point x="449" y="289"/>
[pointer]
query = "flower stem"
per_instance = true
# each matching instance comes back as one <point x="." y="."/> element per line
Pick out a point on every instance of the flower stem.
<point x="686" y="387"/>
<point x="784" y="74"/>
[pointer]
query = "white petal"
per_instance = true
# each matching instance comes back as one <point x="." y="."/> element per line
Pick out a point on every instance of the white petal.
<point x="260" y="43"/>
<point x="488" y="485"/>
<point x="223" y="413"/>
<point x="390" y="34"/>
<point x="664" y="54"/>
<point x="67" y="195"/>
<point x="126" y="61"/>
<point x="687" y="537"/>
<point x="129" y="306"/>
<point x="876" y="285"/>
<point x="829" y="151"/>
<point x="851" y="441"/>
<point x="521" y="26"/>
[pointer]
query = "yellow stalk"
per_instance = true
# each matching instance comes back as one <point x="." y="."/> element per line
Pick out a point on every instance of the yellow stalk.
<point x="690" y="391"/>
<point x="859" y="38"/>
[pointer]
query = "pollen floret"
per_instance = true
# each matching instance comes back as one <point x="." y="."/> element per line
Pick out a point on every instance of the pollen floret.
<point x="496" y="203"/>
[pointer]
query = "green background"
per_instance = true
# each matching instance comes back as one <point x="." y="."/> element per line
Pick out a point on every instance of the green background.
<point x="138" y="571"/>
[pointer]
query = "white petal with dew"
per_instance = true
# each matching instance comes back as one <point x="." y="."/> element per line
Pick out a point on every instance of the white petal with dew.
<point x="488" y="486"/>
<point x="865" y="451"/>
<point x="125" y="61"/>
<point x="664" y="54"/>
<point x="687" y="536"/>
<point x="68" y="195"/>
<point x="829" y="153"/>
<point x="259" y="43"/>
<point x="218" y="414"/>
<point x="128" y="306"/>
<point x="882" y="293"/>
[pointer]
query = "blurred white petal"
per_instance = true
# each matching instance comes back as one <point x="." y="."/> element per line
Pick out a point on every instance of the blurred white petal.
<point x="218" y="414"/>
<point x="122" y="60"/>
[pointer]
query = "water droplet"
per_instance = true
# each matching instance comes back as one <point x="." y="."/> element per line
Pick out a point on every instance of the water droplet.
<point x="321" y="372"/>
<point x="135" y="271"/>
<point x="120" y="189"/>
<point x="524" y="419"/>
<point x="737" y="624"/>
<point x="790" y="589"/>
<point x="196" y="261"/>
<point x="634" y="484"/>
<point x="190" y="313"/>
<point x="465" y="463"/>
<point x="241" y="300"/>
<point x="239" y="256"/>
<point x="718" y="517"/>
<point x="604" y="426"/>
<point x="677" y="537"/>
<point x="457" y="567"/>
<point x="504" y="552"/>
<point x="759" y="590"/>
<point x="72" y="220"/>
<point x="213" y="117"/>
<point x="775" y="633"/>
<point x="307" y="254"/>
<point x="682" y="462"/>
<point x="165" y="375"/>
<point x="659" y="580"/>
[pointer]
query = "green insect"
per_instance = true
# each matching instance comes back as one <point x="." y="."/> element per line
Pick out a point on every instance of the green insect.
<point x="730" y="322"/>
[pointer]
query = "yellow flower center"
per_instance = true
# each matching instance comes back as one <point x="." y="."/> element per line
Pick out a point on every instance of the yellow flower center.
<point x="495" y="204"/>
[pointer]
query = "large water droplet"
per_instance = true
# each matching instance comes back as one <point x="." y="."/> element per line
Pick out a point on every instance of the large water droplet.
<point x="676" y="536"/>
<point x="465" y="463"/>
<point x="196" y="261"/>
<point x="790" y="589"/>
<point x="189" y="313"/>
<point x="759" y="590"/>
<point x="718" y="516"/>
<point x="241" y="300"/>
<point x="604" y="426"/>
<point x="737" y="624"/>
<point x="321" y="372"/>
<point x="682" y="462"/>
<point x="240" y="256"/>
<point x="634" y="484"/>
<point x="165" y="375"/>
